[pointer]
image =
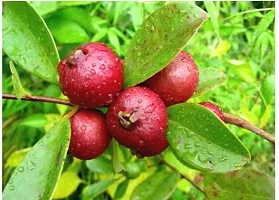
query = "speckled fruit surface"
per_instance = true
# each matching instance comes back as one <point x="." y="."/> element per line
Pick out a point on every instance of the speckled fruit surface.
<point x="137" y="119"/>
<point x="91" y="76"/>
<point x="177" y="82"/>
<point x="214" y="108"/>
<point x="89" y="134"/>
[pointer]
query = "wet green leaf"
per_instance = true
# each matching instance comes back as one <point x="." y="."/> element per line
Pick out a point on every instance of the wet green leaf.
<point x="91" y="191"/>
<point x="243" y="184"/>
<point x="16" y="157"/>
<point x="38" y="173"/>
<point x="209" y="79"/>
<point x="157" y="186"/>
<point x="19" y="90"/>
<point x="159" y="39"/>
<point x="65" y="31"/>
<point x="200" y="140"/>
<point x="64" y="189"/>
<point x="100" y="165"/>
<point x="28" y="42"/>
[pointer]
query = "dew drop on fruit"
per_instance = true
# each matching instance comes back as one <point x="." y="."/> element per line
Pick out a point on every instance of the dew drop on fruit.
<point x="93" y="65"/>
<point x="102" y="67"/>
<point x="93" y="72"/>
<point x="139" y="101"/>
<point x="100" y="58"/>
<point x="149" y="109"/>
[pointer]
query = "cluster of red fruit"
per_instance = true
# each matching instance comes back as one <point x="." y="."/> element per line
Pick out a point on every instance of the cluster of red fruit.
<point x="92" y="77"/>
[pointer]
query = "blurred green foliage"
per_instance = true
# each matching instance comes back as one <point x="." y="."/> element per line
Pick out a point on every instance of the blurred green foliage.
<point x="238" y="39"/>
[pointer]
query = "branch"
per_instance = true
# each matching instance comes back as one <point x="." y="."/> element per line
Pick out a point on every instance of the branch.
<point x="38" y="98"/>
<point x="182" y="175"/>
<point x="230" y="119"/>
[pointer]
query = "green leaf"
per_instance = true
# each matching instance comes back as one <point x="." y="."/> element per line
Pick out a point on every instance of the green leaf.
<point x="77" y="15"/>
<point x="19" y="90"/>
<point x="116" y="163"/>
<point x="243" y="70"/>
<point x="100" y="35"/>
<point x="100" y="165"/>
<point x="209" y="79"/>
<point x="268" y="89"/>
<point x="65" y="31"/>
<point x="213" y="14"/>
<point x="243" y="184"/>
<point x="38" y="173"/>
<point x="121" y="189"/>
<point x="73" y="3"/>
<point x="44" y="7"/>
<point x="158" y="186"/>
<point x="264" y="24"/>
<point x="34" y="121"/>
<point x="28" y="42"/>
<point x="137" y="15"/>
<point x="159" y="39"/>
<point x="91" y="191"/>
<point x="266" y="115"/>
<point x="64" y="189"/>
<point x="113" y="39"/>
<point x="200" y="140"/>
<point x="16" y="157"/>
<point x="221" y="49"/>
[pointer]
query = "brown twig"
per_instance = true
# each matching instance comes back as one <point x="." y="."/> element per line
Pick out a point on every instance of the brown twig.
<point x="231" y="119"/>
<point x="38" y="98"/>
<point x="182" y="175"/>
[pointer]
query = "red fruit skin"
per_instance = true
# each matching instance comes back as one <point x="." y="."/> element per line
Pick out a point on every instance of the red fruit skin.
<point x="177" y="82"/>
<point x="89" y="134"/>
<point x="91" y="76"/>
<point x="214" y="108"/>
<point x="146" y="137"/>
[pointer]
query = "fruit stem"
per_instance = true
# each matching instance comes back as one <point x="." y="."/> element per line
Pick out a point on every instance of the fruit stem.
<point x="127" y="119"/>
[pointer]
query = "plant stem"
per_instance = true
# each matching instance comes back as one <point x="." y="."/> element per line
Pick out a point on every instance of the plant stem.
<point x="39" y="99"/>
<point x="182" y="175"/>
<point x="248" y="11"/>
<point x="230" y="119"/>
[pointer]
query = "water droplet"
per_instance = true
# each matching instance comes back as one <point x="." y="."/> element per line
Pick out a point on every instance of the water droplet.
<point x="93" y="71"/>
<point x="102" y="67"/>
<point x="100" y="58"/>
<point x="139" y="101"/>
<point x="93" y="65"/>
<point x="20" y="169"/>
<point x="11" y="187"/>
<point x="78" y="144"/>
<point x="197" y="144"/>
<point x="110" y="66"/>
<point x="149" y="109"/>
<point x="83" y="128"/>
<point x="222" y="159"/>
<point x="104" y="82"/>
